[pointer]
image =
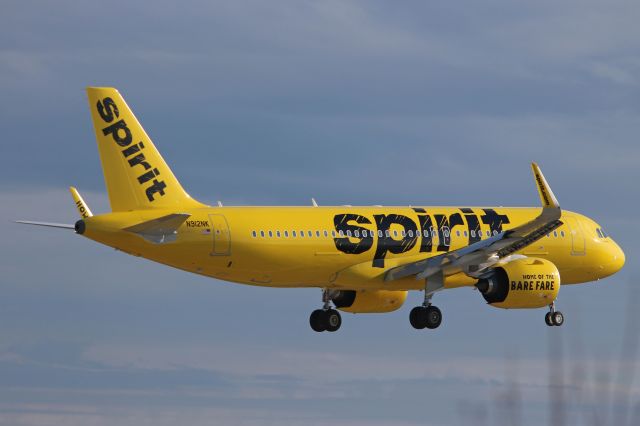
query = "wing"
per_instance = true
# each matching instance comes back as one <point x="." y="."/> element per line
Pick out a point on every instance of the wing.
<point x="476" y="258"/>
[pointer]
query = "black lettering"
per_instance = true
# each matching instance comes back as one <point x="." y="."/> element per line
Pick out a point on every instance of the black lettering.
<point x="131" y="150"/>
<point x="344" y="244"/>
<point x="494" y="220"/>
<point x="148" y="176"/>
<point x="139" y="159"/>
<point x="157" y="187"/>
<point x="114" y="130"/>
<point x="107" y="109"/>
<point x="387" y="243"/>
<point x="445" y="226"/>
<point x="473" y="225"/>
<point x="426" y="225"/>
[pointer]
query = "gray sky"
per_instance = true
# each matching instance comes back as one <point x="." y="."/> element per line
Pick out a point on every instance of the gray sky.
<point x="350" y="102"/>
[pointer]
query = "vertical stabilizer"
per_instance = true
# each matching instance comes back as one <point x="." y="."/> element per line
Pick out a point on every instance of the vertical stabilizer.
<point x="135" y="173"/>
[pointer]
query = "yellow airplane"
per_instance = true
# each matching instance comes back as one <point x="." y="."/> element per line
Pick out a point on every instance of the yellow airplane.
<point x="365" y="259"/>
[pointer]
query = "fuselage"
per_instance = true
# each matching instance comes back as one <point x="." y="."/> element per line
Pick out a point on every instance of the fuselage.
<point x="348" y="247"/>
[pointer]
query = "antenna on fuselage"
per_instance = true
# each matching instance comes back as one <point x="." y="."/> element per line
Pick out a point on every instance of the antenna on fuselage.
<point x="313" y="201"/>
<point x="219" y="203"/>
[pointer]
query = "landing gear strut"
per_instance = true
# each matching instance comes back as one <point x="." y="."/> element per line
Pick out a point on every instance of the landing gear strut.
<point x="325" y="319"/>
<point x="553" y="317"/>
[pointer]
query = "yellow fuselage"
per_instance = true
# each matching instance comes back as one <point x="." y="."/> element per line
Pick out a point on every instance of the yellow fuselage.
<point x="347" y="247"/>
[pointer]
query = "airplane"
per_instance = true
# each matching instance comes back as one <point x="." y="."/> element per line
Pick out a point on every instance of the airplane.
<point x="365" y="259"/>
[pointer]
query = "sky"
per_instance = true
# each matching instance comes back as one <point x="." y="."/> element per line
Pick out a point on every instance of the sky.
<point x="349" y="102"/>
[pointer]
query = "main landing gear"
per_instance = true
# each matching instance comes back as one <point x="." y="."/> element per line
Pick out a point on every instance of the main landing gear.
<point x="425" y="316"/>
<point x="325" y="319"/>
<point x="554" y="317"/>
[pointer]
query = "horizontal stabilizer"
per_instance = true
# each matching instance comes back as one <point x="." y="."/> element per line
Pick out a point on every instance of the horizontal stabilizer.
<point x="49" y="224"/>
<point x="161" y="230"/>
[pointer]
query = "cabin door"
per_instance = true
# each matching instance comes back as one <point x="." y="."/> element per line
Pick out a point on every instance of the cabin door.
<point x="221" y="235"/>
<point x="578" y="247"/>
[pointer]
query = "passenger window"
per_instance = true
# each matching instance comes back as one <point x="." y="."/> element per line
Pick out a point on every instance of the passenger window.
<point x="562" y="234"/>
<point x="278" y="234"/>
<point x="457" y="233"/>
<point x="380" y="233"/>
<point x="301" y="234"/>
<point x="333" y="234"/>
<point x="270" y="234"/>
<point x="349" y="233"/>
<point x="446" y="233"/>
<point x="395" y="233"/>
<point x="326" y="234"/>
<point x="488" y="233"/>
<point x="310" y="233"/>
<point x="410" y="233"/>
<point x="465" y="233"/>
<point x="473" y="233"/>
<point x="293" y="234"/>
<point x="254" y="234"/>
<point x="341" y="233"/>
<point x="555" y="234"/>
<point x="262" y="234"/>
<point x="318" y="234"/>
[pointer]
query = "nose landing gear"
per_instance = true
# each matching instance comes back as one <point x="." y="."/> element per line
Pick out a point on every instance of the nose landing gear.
<point x="553" y="317"/>
<point x="325" y="319"/>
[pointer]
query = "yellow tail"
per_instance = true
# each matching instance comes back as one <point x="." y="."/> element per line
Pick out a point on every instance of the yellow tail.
<point x="135" y="173"/>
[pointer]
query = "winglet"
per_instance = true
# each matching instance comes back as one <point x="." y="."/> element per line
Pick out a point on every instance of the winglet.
<point x="82" y="207"/>
<point x="546" y="194"/>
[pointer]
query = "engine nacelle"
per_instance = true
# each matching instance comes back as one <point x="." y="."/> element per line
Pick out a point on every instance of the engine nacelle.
<point x="368" y="301"/>
<point x="521" y="283"/>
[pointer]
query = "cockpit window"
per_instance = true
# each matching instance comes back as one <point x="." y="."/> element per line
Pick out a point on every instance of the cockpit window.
<point x="601" y="233"/>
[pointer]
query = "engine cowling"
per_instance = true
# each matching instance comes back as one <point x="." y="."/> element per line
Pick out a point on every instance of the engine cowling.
<point x="521" y="283"/>
<point x="368" y="301"/>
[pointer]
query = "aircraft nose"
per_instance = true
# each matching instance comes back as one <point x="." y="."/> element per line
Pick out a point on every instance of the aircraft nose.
<point x="616" y="259"/>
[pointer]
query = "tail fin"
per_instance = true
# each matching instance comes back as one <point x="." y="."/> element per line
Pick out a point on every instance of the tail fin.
<point x="135" y="173"/>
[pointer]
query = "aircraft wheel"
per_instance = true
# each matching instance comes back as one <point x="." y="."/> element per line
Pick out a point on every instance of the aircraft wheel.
<point x="333" y="320"/>
<point x="557" y="318"/>
<point x="317" y="320"/>
<point x="548" y="320"/>
<point x="433" y="317"/>
<point x="418" y="317"/>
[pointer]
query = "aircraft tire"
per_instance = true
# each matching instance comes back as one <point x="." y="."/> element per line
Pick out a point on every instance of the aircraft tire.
<point x="433" y="317"/>
<point x="418" y="317"/>
<point x="557" y="318"/>
<point x="548" y="320"/>
<point x="317" y="320"/>
<point x="332" y="320"/>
